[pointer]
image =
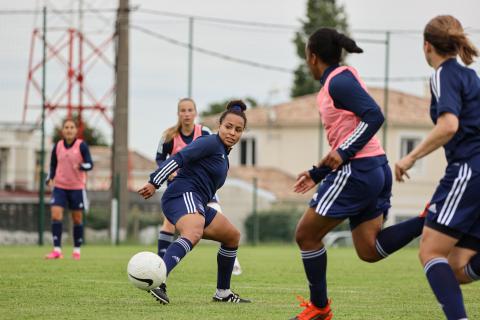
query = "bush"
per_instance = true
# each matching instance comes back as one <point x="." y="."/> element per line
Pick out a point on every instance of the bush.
<point x="274" y="226"/>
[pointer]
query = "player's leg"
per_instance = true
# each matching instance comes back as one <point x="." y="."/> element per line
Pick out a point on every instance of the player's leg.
<point x="465" y="263"/>
<point x="219" y="228"/>
<point x="78" y="202"/>
<point x="165" y="237"/>
<point x="58" y="203"/>
<point x="434" y="250"/>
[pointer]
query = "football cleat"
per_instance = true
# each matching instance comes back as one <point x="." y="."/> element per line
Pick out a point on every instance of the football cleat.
<point x="232" y="298"/>
<point x="237" y="269"/>
<point x="312" y="312"/>
<point x="76" y="255"/>
<point x="54" y="255"/>
<point x="160" y="294"/>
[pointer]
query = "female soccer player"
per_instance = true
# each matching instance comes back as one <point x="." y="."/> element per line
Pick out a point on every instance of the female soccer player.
<point x="173" y="140"/>
<point x="452" y="226"/>
<point x="356" y="177"/>
<point x="203" y="169"/>
<point x="68" y="165"/>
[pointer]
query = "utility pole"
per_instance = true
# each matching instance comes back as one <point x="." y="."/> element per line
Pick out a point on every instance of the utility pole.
<point x="120" y="126"/>
<point x="386" y="89"/>
<point x="41" y="191"/>
<point x="190" y="56"/>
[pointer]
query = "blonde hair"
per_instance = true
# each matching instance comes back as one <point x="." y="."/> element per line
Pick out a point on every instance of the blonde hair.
<point x="175" y="130"/>
<point x="447" y="36"/>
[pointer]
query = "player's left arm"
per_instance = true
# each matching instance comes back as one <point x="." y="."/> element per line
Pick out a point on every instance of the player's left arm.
<point x="449" y="105"/>
<point x="87" y="163"/>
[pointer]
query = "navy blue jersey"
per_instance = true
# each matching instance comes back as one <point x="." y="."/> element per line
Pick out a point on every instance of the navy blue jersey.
<point x="165" y="147"/>
<point x="87" y="164"/>
<point x="456" y="89"/>
<point x="348" y="94"/>
<point x="204" y="164"/>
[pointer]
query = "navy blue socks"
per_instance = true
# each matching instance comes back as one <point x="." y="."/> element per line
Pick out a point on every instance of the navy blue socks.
<point x="164" y="240"/>
<point x="225" y="261"/>
<point x="446" y="288"/>
<point x="315" y="264"/>
<point x="175" y="252"/>
<point x="399" y="235"/>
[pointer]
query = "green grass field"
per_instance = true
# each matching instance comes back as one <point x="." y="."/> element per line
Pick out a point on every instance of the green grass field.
<point x="97" y="286"/>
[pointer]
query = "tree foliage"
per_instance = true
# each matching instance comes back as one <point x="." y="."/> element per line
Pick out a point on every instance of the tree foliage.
<point x="320" y="13"/>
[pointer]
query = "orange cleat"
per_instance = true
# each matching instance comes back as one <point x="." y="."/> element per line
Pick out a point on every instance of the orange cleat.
<point x="54" y="255"/>
<point x="312" y="312"/>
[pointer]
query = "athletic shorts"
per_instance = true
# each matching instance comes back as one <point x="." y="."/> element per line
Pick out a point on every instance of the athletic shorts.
<point x="359" y="195"/>
<point x="74" y="199"/>
<point x="189" y="202"/>
<point x="455" y="206"/>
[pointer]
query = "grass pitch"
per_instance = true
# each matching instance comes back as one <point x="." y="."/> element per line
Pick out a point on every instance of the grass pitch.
<point x="97" y="287"/>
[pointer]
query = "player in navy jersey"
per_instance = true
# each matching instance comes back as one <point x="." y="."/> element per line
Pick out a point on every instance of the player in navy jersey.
<point x="70" y="160"/>
<point x="203" y="170"/>
<point x="173" y="140"/>
<point x="356" y="179"/>
<point x="451" y="236"/>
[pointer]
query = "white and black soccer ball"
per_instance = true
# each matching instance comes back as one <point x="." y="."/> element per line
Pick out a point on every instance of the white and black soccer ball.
<point x="146" y="270"/>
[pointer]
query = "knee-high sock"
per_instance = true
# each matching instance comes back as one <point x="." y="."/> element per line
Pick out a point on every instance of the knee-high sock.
<point x="399" y="235"/>
<point x="77" y="235"/>
<point x="57" y="233"/>
<point x="175" y="252"/>
<point x="446" y="288"/>
<point x="164" y="240"/>
<point x="225" y="261"/>
<point x="472" y="269"/>
<point x="315" y="264"/>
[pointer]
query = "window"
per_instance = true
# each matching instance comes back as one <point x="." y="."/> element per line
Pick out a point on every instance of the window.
<point x="248" y="152"/>
<point x="407" y="144"/>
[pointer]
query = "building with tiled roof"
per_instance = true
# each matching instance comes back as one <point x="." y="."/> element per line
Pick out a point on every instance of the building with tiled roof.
<point x="289" y="137"/>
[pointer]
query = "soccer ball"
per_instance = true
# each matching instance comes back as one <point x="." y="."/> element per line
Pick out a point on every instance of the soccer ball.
<point x="146" y="270"/>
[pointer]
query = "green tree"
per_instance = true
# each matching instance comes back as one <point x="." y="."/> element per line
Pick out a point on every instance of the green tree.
<point x="92" y="136"/>
<point x="320" y="13"/>
<point x="219" y="106"/>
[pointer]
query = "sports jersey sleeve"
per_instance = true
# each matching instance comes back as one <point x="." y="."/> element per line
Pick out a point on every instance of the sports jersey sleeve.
<point x="163" y="150"/>
<point x="87" y="163"/>
<point x="206" y="131"/>
<point x="446" y="89"/>
<point x="198" y="149"/>
<point x="53" y="163"/>
<point x="319" y="173"/>
<point x="348" y="94"/>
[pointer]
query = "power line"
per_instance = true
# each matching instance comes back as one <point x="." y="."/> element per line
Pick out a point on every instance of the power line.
<point x="211" y="52"/>
<point x="254" y="63"/>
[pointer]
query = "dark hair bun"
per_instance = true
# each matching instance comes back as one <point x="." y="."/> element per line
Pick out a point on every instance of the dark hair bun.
<point x="236" y="106"/>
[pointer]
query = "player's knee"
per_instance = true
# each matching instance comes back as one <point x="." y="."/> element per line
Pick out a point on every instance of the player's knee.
<point x="306" y="240"/>
<point x="369" y="255"/>
<point x="233" y="238"/>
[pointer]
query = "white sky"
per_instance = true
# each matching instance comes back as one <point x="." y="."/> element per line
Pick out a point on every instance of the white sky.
<point x="158" y="70"/>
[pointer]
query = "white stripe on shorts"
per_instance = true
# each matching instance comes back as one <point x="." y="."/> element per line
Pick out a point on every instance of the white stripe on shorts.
<point x="332" y="193"/>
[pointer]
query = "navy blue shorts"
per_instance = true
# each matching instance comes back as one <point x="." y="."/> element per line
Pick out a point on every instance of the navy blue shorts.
<point x="189" y="202"/>
<point x="355" y="194"/>
<point x="74" y="199"/>
<point x="455" y="205"/>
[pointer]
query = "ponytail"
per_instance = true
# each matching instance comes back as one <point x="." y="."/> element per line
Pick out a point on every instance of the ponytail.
<point x="237" y="107"/>
<point x="445" y="33"/>
<point x="327" y="44"/>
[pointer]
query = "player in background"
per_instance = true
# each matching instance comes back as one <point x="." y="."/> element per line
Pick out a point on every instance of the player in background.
<point x="69" y="162"/>
<point x="356" y="177"/>
<point x="451" y="236"/>
<point x="203" y="170"/>
<point x="173" y="140"/>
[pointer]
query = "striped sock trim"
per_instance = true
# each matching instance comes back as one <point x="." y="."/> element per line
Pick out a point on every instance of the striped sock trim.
<point x="229" y="253"/>
<point x="185" y="243"/>
<point x="433" y="262"/>
<point x="165" y="236"/>
<point x="313" y="253"/>
<point x="380" y="250"/>
<point x="470" y="273"/>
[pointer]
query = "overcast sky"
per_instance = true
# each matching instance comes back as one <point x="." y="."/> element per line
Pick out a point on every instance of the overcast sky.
<point x="158" y="69"/>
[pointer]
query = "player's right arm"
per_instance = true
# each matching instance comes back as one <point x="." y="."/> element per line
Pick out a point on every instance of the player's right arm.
<point x="53" y="166"/>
